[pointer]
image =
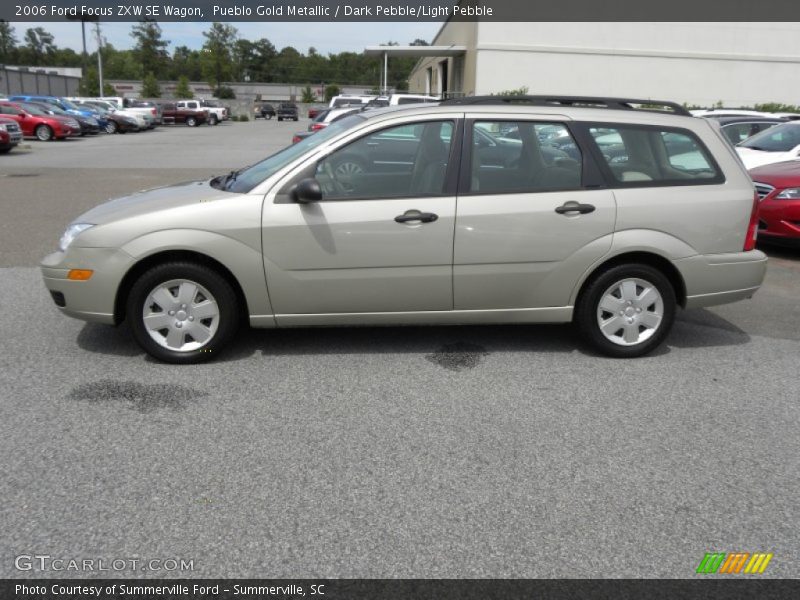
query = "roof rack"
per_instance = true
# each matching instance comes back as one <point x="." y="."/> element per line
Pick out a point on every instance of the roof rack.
<point x="659" y="106"/>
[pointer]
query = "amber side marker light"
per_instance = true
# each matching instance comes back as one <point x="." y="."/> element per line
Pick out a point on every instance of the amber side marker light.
<point x="79" y="274"/>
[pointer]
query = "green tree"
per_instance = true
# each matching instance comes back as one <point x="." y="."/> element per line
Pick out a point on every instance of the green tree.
<point x="8" y="43"/>
<point x="182" y="90"/>
<point x="308" y="95"/>
<point x="150" y="48"/>
<point x="331" y="90"/>
<point x="186" y="62"/>
<point x="40" y="45"/>
<point x="150" y="87"/>
<point x="218" y="65"/>
<point x="90" y="84"/>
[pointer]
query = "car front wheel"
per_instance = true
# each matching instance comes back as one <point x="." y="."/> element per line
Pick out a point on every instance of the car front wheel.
<point x="44" y="133"/>
<point x="627" y="310"/>
<point x="183" y="312"/>
<point x="191" y="121"/>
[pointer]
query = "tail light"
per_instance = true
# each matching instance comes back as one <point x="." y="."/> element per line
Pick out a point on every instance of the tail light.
<point x="752" y="227"/>
<point x="317" y="126"/>
<point x="153" y="112"/>
<point x="296" y="139"/>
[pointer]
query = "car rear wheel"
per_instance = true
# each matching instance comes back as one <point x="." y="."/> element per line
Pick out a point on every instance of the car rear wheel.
<point x="111" y="127"/>
<point x="213" y="120"/>
<point x="627" y="310"/>
<point x="191" y="121"/>
<point x="44" y="133"/>
<point x="182" y="312"/>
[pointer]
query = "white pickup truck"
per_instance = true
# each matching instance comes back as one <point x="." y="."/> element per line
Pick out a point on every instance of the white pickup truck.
<point x="216" y="114"/>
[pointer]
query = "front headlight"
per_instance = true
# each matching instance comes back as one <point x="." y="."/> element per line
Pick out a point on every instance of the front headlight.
<point x="789" y="194"/>
<point x="71" y="233"/>
<point x="3" y="127"/>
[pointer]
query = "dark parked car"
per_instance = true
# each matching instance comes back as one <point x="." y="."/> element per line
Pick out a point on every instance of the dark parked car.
<point x="739" y="128"/>
<point x="264" y="111"/>
<point x="287" y="110"/>
<point x="778" y="187"/>
<point x="10" y="135"/>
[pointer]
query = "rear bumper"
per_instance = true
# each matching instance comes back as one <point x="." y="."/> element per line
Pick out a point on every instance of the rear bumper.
<point x="713" y="279"/>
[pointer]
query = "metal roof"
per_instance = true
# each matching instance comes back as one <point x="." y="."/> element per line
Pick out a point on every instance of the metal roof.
<point x="451" y="50"/>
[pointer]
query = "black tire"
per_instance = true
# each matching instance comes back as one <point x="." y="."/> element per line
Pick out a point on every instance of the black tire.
<point x="43" y="133"/>
<point x="213" y="120"/>
<point x="295" y="118"/>
<point x="191" y="121"/>
<point x="5" y="150"/>
<point x="112" y="127"/>
<point x="229" y="316"/>
<point x="587" y="311"/>
<point x="268" y="117"/>
<point x="280" y="118"/>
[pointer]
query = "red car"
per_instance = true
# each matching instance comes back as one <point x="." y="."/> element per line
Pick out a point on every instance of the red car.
<point x="10" y="135"/>
<point x="778" y="187"/>
<point x="35" y="122"/>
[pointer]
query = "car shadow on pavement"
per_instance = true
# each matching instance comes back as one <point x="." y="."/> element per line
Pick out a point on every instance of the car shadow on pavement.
<point x="106" y="339"/>
<point x="701" y="328"/>
<point x="712" y="331"/>
<point x="411" y="339"/>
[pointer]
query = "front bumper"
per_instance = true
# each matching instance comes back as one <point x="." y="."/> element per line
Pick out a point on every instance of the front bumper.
<point x="91" y="300"/>
<point x="713" y="279"/>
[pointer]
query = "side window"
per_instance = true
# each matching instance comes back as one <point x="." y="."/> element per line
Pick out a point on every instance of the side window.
<point x="397" y="162"/>
<point x="637" y="154"/>
<point x="522" y="156"/>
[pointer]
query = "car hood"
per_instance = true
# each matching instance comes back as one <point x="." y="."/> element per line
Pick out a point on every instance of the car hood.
<point x="755" y="158"/>
<point x="782" y="174"/>
<point x="154" y="200"/>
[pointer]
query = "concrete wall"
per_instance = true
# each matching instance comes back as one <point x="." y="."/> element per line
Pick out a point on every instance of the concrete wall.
<point x="740" y="64"/>
<point x="13" y="81"/>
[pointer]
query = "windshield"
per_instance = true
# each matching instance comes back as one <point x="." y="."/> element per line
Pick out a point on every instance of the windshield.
<point x="780" y="138"/>
<point x="33" y="109"/>
<point x="55" y="110"/>
<point x="245" y="180"/>
<point x="67" y="105"/>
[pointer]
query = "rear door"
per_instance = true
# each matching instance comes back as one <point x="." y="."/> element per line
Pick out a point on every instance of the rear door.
<point x="531" y="219"/>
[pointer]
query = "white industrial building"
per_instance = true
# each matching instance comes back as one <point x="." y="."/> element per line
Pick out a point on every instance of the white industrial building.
<point x="738" y="64"/>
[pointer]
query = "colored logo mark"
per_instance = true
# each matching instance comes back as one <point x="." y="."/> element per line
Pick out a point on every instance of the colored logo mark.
<point x="734" y="562"/>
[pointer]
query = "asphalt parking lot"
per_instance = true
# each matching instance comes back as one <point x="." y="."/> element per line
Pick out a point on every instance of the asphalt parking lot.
<point x="401" y="452"/>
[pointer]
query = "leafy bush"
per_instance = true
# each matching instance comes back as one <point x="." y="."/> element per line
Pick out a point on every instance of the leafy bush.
<point x="332" y="90"/>
<point x="224" y="92"/>
<point x="244" y="118"/>
<point x="308" y="95"/>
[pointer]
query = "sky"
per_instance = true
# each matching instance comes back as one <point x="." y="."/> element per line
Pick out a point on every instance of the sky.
<point x="325" y="37"/>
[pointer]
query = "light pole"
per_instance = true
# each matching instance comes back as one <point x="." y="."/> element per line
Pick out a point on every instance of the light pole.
<point x="99" y="57"/>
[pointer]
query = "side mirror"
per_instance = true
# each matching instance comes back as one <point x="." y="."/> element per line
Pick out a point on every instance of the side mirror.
<point x="306" y="191"/>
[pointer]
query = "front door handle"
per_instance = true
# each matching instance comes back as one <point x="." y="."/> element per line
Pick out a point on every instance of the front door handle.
<point x="411" y="216"/>
<point x="574" y="207"/>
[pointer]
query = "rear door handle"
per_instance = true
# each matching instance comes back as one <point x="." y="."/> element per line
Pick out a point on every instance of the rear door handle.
<point x="414" y="215"/>
<point x="574" y="207"/>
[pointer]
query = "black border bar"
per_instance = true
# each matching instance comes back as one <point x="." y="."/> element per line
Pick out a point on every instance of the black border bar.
<point x="707" y="588"/>
<point x="399" y="10"/>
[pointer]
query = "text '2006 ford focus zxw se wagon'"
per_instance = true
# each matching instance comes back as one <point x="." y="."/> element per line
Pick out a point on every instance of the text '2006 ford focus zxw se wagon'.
<point x="608" y="213"/>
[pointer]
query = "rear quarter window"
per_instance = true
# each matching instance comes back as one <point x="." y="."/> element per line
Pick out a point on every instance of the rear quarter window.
<point x="643" y="155"/>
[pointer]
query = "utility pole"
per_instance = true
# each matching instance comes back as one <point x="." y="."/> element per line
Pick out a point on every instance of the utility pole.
<point x="99" y="57"/>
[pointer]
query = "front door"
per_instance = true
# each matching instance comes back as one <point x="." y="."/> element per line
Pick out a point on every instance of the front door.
<point x="380" y="240"/>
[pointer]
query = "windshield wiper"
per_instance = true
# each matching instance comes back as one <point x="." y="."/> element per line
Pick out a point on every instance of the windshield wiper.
<point x="221" y="182"/>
